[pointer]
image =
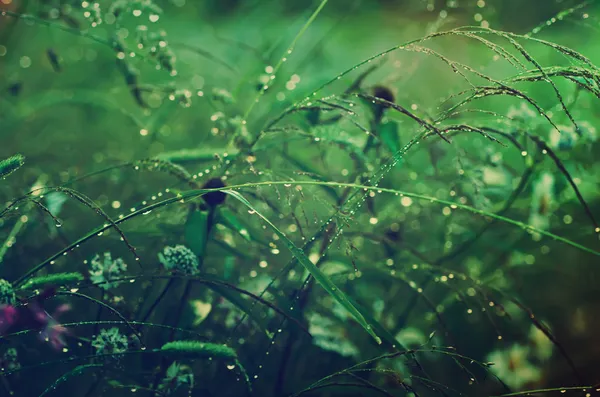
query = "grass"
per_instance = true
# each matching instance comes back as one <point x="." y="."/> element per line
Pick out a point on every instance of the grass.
<point x="345" y="213"/>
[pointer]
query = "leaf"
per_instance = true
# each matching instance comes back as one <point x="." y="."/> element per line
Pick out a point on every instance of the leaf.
<point x="201" y="310"/>
<point x="329" y="334"/>
<point x="41" y="102"/>
<point x="319" y="276"/>
<point x="196" y="155"/>
<point x="74" y="372"/>
<point x="385" y="334"/>
<point x="388" y="133"/>
<point x="244" y="305"/>
<point x="227" y="218"/>
<point x="161" y="116"/>
<point x="196" y="231"/>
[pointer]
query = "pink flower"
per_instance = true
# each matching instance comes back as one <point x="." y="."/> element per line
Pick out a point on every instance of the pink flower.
<point x="8" y="316"/>
<point x="53" y="332"/>
<point x="32" y="316"/>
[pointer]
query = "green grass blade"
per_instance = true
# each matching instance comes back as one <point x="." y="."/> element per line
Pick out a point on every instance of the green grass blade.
<point x="319" y="276"/>
<point x="432" y="199"/>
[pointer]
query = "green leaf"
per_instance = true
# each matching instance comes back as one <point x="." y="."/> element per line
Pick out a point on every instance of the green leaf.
<point x="319" y="276"/>
<point x="244" y="305"/>
<point x="312" y="171"/>
<point x="388" y="133"/>
<point x="42" y="102"/>
<point x="161" y="116"/>
<point x="228" y="218"/>
<point x="385" y="334"/>
<point x="196" y="155"/>
<point x="196" y="231"/>
<point x="201" y="310"/>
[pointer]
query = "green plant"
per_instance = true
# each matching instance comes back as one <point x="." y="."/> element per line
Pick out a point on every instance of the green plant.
<point x="274" y="227"/>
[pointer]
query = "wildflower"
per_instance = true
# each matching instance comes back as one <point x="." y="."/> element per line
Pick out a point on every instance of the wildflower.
<point x="542" y="200"/>
<point x="177" y="375"/>
<point x="110" y="341"/>
<point x="513" y="367"/>
<point x="7" y="293"/>
<point x="179" y="258"/>
<point x="53" y="332"/>
<point x="8" y="317"/>
<point x="32" y="316"/>
<point x="104" y="271"/>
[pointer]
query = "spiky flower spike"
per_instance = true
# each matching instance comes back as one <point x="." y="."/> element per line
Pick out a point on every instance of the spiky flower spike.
<point x="11" y="164"/>
<point x="57" y="279"/>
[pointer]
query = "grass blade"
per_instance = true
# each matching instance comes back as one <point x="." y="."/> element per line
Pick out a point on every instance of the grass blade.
<point x="319" y="276"/>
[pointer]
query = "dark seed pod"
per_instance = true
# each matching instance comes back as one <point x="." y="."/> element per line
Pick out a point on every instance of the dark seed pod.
<point x="15" y="88"/>
<point x="383" y="93"/>
<point x="313" y="116"/>
<point x="214" y="198"/>
<point x="53" y="59"/>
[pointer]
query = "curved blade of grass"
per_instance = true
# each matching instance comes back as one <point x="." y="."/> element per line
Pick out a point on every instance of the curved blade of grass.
<point x="228" y="218"/>
<point x="243" y="305"/>
<point x="284" y="57"/>
<point x="38" y="103"/>
<point x="544" y="391"/>
<point x="431" y="199"/>
<point x="74" y="372"/>
<point x="196" y="155"/>
<point x="197" y="231"/>
<point x="380" y="329"/>
<point x="319" y="276"/>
